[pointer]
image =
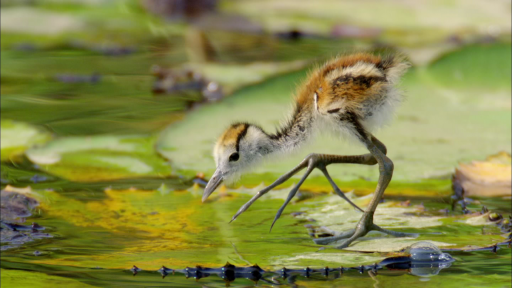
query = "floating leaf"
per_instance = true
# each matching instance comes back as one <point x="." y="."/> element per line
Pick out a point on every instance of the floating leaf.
<point x="27" y="20"/>
<point x="492" y="177"/>
<point x="458" y="68"/>
<point x="332" y="212"/>
<point x="16" y="137"/>
<point x="312" y="259"/>
<point x="437" y="126"/>
<point x="98" y="158"/>
<point x="479" y="220"/>
<point x="22" y="279"/>
<point x="233" y="76"/>
<point x="121" y="228"/>
<point x="393" y="16"/>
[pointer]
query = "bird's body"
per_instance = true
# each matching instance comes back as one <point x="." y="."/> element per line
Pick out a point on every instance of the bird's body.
<point x="349" y="96"/>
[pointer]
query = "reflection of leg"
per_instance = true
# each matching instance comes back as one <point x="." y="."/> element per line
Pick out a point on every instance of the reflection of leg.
<point x="239" y="256"/>
<point x="374" y="277"/>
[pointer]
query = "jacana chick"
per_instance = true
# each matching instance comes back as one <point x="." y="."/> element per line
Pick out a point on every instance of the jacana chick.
<point x="351" y="96"/>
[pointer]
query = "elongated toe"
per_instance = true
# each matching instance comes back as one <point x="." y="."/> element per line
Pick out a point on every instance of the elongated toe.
<point x="328" y="240"/>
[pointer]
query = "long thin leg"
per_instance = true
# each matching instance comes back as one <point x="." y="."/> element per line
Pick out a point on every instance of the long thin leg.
<point x="385" y="173"/>
<point x="279" y="181"/>
<point x="377" y="154"/>
<point x="350" y="233"/>
<point x="336" y="189"/>
<point x="292" y="194"/>
<point x="342" y="235"/>
<point x="320" y="162"/>
<point x="312" y="161"/>
<point x="379" y="144"/>
<point x="366" y="223"/>
<point x="386" y="168"/>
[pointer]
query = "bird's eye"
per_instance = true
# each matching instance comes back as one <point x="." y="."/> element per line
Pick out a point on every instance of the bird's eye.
<point x="234" y="157"/>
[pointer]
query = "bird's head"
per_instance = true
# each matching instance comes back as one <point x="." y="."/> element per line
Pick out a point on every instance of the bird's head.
<point x="238" y="149"/>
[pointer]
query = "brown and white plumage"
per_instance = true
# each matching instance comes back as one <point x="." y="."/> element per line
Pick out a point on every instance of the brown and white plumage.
<point x="359" y="85"/>
<point x="350" y="95"/>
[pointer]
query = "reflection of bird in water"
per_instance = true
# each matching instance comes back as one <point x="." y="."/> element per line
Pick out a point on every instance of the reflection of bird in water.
<point x="349" y="96"/>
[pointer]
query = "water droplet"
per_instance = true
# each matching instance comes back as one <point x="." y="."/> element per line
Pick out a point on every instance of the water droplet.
<point x="427" y="252"/>
<point x="427" y="259"/>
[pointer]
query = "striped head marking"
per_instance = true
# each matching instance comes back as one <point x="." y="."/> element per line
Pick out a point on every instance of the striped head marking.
<point x="229" y="141"/>
<point x="237" y="149"/>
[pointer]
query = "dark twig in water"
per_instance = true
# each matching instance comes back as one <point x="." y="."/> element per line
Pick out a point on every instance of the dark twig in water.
<point x="230" y="272"/>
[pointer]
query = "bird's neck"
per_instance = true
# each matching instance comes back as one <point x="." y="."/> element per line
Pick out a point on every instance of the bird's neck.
<point x="296" y="132"/>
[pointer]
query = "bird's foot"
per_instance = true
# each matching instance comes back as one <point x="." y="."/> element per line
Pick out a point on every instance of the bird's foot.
<point x="364" y="226"/>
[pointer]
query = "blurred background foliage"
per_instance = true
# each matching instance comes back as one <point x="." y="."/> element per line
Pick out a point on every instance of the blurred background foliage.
<point x="136" y="67"/>
<point x="109" y="111"/>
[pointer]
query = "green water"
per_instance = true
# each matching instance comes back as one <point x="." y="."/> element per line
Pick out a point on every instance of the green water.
<point x="112" y="164"/>
<point x="98" y="237"/>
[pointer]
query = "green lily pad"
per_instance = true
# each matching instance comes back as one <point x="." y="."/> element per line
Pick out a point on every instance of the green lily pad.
<point x="458" y="68"/>
<point x="312" y="259"/>
<point x="173" y="228"/>
<point x="234" y="76"/>
<point x="100" y="158"/>
<point x="335" y="214"/>
<point x="22" y="279"/>
<point x="27" y="20"/>
<point x="407" y="18"/>
<point x="16" y="137"/>
<point x="438" y="125"/>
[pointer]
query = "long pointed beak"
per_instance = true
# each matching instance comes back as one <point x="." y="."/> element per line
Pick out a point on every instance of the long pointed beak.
<point x="212" y="184"/>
